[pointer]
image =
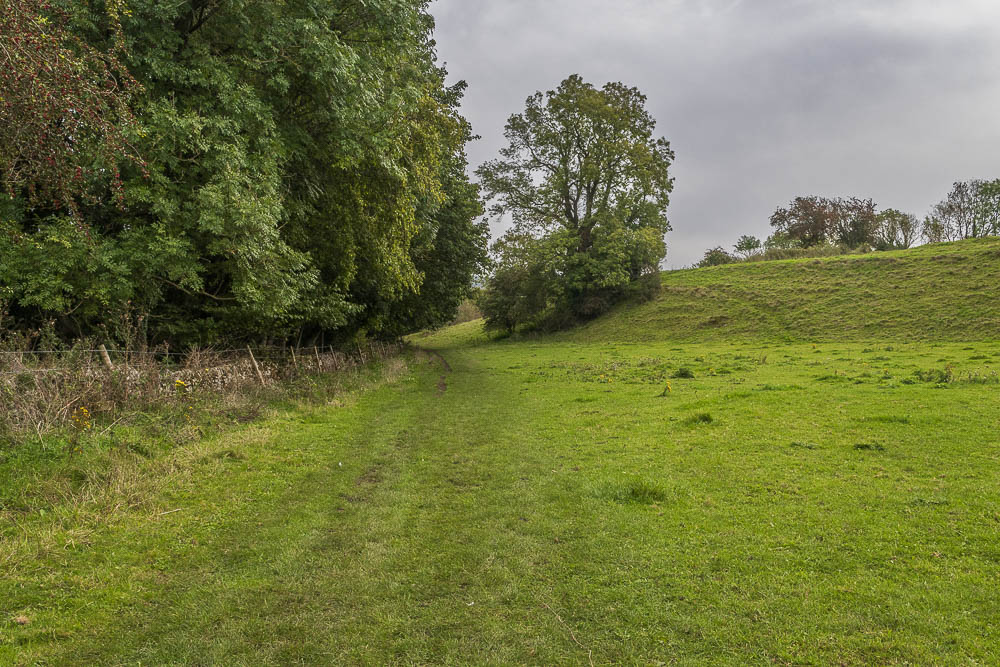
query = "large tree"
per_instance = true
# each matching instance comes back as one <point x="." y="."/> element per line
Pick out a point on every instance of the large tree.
<point x="305" y="179"/>
<point x="584" y="176"/>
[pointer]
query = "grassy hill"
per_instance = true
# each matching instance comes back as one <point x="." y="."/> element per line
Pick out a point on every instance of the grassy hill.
<point x="945" y="292"/>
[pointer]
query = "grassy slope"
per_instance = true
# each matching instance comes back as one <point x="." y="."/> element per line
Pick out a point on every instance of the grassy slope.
<point x="551" y="502"/>
<point x="936" y="292"/>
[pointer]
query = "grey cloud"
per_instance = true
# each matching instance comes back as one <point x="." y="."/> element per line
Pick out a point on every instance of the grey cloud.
<point x="762" y="100"/>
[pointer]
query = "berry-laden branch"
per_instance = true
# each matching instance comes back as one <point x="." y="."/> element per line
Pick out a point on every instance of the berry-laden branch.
<point x="64" y="108"/>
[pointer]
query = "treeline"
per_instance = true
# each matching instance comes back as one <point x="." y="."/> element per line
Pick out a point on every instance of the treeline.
<point x="816" y="226"/>
<point x="208" y="171"/>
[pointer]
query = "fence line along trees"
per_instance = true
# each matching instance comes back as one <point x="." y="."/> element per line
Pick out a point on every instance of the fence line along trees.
<point x="586" y="184"/>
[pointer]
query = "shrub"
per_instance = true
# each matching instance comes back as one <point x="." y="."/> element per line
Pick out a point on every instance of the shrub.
<point x="716" y="257"/>
<point x="936" y="375"/>
<point x="467" y="312"/>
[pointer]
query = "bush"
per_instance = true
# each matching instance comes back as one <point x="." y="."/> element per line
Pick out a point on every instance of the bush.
<point x="716" y="257"/>
<point x="936" y="375"/>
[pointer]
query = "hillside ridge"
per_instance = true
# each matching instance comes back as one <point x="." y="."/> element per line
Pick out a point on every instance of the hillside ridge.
<point x="946" y="292"/>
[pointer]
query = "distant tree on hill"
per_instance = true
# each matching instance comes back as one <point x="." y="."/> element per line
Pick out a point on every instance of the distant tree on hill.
<point x="895" y="230"/>
<point x="971" y="210"/>
<point x="748" y="246"/>
<point x="806" y="220"/>
<point x="854" y="222"/>
<point x="933" y="231"/>
<point x="851" y="223"/>
<point x="716" y="256"/>
<point x="586" y="183"/>
<point x="988" y="206"/>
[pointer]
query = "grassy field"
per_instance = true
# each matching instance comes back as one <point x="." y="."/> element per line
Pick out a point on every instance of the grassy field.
<point x="600" y="497"/>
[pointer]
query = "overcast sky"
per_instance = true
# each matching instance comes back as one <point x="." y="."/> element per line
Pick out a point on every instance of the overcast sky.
<point x="762" y="100"/>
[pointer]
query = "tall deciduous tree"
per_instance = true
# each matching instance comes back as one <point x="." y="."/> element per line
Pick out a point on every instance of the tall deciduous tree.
<point x="306" y="179"/>
<point x="584" y="175"/>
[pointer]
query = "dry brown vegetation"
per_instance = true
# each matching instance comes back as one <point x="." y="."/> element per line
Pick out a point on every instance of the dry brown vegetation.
<point x="82" y="389"/>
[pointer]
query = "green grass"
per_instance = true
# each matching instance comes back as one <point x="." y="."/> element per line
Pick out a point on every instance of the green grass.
<point x="555" y="501"/>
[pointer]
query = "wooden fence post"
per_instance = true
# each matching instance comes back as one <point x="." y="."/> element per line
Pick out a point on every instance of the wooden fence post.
<point x="260" y="376"/>
<point x="106" y="357"/>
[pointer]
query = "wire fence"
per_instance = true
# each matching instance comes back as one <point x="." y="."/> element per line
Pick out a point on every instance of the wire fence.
<point x="258" y="350"/>
<point x="42" y="389"/>
<point x="322" y="358"/>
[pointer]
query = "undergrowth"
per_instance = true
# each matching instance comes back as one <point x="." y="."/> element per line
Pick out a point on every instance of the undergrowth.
<point x="65" y="396"/>
<point x="111" y="458"/>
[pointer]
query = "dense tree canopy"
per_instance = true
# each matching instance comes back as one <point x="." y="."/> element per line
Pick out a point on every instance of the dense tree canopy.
<point x="817" y="220"/>
<point x="586" y="185"/>
<point x="848" y="223"/>
<point x="306" y="177"/>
